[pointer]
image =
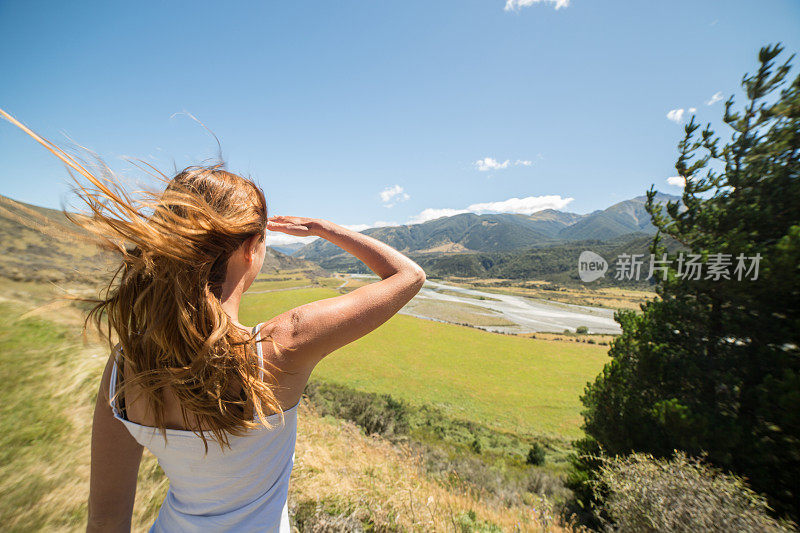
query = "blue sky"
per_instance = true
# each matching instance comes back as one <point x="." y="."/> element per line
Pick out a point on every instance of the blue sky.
<point x="368" y="112"/>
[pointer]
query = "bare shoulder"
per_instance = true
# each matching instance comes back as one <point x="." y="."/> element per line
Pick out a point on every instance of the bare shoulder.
<point x="277" y="338"/>
<point x="285" y="362"/>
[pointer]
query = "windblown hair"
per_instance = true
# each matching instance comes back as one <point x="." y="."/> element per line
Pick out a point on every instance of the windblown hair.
<point x="163" y="301"/>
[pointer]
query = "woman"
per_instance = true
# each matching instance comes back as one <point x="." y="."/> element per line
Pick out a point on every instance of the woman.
<point x="206" y="394"/>
<point x="244" y="488"/>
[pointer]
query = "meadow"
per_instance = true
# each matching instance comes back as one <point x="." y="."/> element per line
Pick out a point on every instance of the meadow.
<point x="510" y="383"/>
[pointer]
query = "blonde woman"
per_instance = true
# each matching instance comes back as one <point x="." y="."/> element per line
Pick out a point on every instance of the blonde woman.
<point x="213" y="399"/>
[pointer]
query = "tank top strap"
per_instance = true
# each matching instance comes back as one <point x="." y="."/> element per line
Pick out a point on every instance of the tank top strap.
<point x="257" y="330"/>
<point x="112" y="385"/>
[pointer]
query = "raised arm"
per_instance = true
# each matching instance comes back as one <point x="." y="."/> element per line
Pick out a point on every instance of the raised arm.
<point x="318" y="328"/>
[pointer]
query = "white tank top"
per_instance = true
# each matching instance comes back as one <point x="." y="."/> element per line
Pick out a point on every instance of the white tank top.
<point x="241" y="489"/>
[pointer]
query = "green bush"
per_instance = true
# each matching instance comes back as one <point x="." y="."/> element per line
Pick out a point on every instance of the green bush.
<point x="536" y="455"/>
<point x="375" y="413"/>
<point x="476" y="446"/>
<point x="470" y="523"/>
<point x="643" y="494"/>
<point x="582" y="330"/>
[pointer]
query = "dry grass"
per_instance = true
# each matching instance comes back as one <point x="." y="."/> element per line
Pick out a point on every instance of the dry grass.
<point x="376" y="482"/>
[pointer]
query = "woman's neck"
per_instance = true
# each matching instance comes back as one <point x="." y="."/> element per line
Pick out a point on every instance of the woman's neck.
<point x="231" y="298"/>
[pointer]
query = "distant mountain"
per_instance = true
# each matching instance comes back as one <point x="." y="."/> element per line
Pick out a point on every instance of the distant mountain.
<point x="620" y="219"/>
<point x="458" y="233"/>
<point x="551" y="222"/>
<point x="37" y="243"/>
<point x="504" y="232"/>
<point x="275" y="260"/>
<point x="288" y="249"/>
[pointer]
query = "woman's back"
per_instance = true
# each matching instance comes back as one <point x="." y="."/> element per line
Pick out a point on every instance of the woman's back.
<point x="243" y="488"/>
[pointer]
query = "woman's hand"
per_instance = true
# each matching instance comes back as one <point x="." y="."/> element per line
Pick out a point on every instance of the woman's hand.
<point x="297" y="226"/>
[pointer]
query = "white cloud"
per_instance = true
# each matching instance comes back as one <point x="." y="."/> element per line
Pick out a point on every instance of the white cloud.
<point x="431" y="214"/>
<point x="675" y="115"/>
<point x="376" y="224"/>
<point x="393" y="195"/>
<point x="514" y="5"/>
<point x="486" y="164"/>
<point x="677" y="181"/>
<point x="716" y="97"/>
<point x="357" y="227"/>
<point x="525" y="206"/>
<point x="275" y="238"/>
<point x="692" y="110"/>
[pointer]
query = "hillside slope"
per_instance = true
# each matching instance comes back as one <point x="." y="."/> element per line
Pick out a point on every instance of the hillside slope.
<point x="42" y="244"/>
<point x="620" y="219"/>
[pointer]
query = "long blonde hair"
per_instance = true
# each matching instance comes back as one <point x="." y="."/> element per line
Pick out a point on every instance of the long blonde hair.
<point x="163" y="301"/>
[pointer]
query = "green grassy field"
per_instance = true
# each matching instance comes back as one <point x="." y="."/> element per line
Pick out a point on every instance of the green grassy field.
<point x="41" y="424"/>
<point x="529" y="386"/>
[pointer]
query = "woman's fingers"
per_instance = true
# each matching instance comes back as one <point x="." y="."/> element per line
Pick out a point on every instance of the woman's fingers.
<point x="298" y="226"/>
<point x="287" y="227"/>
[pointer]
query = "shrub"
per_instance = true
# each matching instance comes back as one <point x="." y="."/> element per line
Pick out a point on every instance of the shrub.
<point x="476" y="446"/>
<point x="536" y="455"/>
<point x="470" y="523"/>
<point x="582" y="330"/>
<point x="375" y="413"/>
<point x="642" y="493"/>
<point x="320" y="516"/>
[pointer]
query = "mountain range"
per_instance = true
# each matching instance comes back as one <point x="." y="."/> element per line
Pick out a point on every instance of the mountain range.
<point x="503" y="232"/>
<point x="41" y="244"/>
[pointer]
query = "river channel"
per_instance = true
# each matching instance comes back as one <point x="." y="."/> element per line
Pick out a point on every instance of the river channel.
<point x="529" y="315"/>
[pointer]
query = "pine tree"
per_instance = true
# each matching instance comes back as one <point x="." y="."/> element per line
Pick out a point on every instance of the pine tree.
<point x="713" y="365"/>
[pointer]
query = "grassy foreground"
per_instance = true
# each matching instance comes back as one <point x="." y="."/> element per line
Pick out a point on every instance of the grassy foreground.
<point x="341" y="476"/>
<point x="511" y="383"/>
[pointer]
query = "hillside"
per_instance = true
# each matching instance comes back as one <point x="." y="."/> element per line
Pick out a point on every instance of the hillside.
<point x="620" y="219"/>
<point x="288" y="249"/>
<point x="41" y="244"/>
